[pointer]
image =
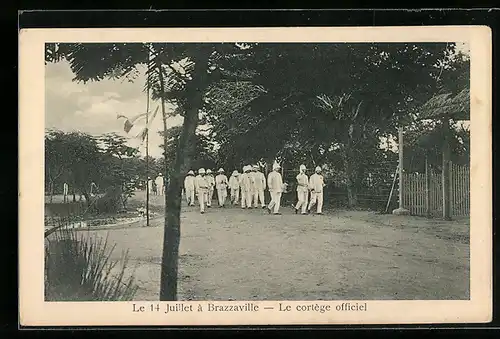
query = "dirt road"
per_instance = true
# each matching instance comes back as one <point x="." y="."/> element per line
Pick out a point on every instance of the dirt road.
<point x="232" y="254"/>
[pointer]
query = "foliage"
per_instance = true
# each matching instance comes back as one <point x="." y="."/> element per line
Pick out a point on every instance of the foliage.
<point x="74" y="158"/>
<point x="80" y="268"/>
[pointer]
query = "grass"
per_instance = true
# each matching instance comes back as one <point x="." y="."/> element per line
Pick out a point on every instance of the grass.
<point x="79" y="268"/>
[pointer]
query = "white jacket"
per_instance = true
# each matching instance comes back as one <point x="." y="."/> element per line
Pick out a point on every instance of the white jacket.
<point x="275" y="182"/>
<point x="189" y="183"/>
<point x="259" y="181"/>
<point x="316" y="183"/>
<point x="246" y="182"/>
<point x="302" y="182"/>
<point x="211" y="181"/>
<point x="221" y="182"/>
<point x="201" y="183"/>
<point x="234" y="182"/>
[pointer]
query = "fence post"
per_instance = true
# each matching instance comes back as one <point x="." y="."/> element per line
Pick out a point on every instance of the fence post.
<point x="427" y="189"/>
<point x="400" y="210"/>
<point x="446" y="170"/>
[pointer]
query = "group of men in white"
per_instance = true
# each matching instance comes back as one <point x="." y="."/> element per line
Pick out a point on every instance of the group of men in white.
<point x="248" y="188"/>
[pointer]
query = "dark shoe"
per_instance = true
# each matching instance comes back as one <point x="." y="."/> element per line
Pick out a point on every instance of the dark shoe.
<point x="209" y="206"/>
<point x="202" y="212"/>
<point x="263" y="207"/>
<point x="268" y="210"/>
<point x="296" y="210"/>
<point x="320" y="213"/>
<point x="277" y="213"/>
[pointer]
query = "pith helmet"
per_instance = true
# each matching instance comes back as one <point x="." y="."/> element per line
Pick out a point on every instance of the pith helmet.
<point x="302" y="167"/>
<point x="318" y="169"/>
<point x="190" y="173"/>
<point x="221" y="170"/>
<point x="201" y="171"/>
<point x="209" y="171"/>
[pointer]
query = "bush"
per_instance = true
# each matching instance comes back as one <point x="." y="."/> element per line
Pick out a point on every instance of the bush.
<point x="79" y="268"/>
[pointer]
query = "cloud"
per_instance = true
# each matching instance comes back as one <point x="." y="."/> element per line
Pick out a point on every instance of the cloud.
<point x="93" y="107"/>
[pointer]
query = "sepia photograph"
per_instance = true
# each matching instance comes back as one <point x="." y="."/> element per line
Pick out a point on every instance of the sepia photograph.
<point x="244" y="171"/>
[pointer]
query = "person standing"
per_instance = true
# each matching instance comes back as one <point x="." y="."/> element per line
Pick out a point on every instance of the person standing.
<point x="201" y="186"/>
<point x="259" y="181"/>
<point x="246" y="188"/>
<point x="316" y="185"/>
<point x="234" y="186"/>
<point x="221" y="184"/>
<point x="189" y="188"/>
<point x="211" y="186"/>
<point x="302" y="190"/>
<point x="160" y="184"/>
<point x="275" y="186"/>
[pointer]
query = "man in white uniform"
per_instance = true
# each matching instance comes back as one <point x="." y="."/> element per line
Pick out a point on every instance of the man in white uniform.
<point x="275" y="185"/>
<point x="302" y="190"/>
<point x="259" y="181"/>
<point x="246" y="188"/>
<point x="189" y="188"/>
<point x="159" y="184"/>
<point x="234" y="186"/>
<point x="221" y="184"/>
<point x="316" y="184"/>
<point x="201" y="186"/>
<point x="211" y="187"/>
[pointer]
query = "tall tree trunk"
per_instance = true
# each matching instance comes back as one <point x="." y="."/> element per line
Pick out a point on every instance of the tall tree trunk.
<point x="352" y="197"/>
<point x="171" y="237"/>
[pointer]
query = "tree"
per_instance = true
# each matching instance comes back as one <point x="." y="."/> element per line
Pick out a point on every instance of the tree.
<point x="76" y="157"/>
<point x="121" y="169"/>
<point x="322" y="96"/>
<point x="182" y="85"/>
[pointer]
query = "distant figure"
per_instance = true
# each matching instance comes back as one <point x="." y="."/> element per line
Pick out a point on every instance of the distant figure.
<point x="316" y="185"/>
<point x="154" y="188"/>
<point x="65" y="192"/>
<point x="189" y="188"/>
<point x="159" y="184"/>
<point x="234" y="186"/>
<point x="246" y="188"/>
<point x="201" y="187"/>
<point x="275" y="185"/>
<point x="259" y="183"/>
<point x="221" y="184"/>
<point x="211" y="186"/>
<point x="302" y="190"/>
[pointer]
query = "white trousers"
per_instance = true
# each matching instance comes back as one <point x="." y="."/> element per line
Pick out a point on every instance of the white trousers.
<point x="190" y="196"/>
<point x="160" y="189"/>
<point x="302" y="203"/>
<point x="246" y="199"/>
<point x="202" y="199"/>
<point x="210" y="196"/>
<point x="275" y="201"/>
<point x="258" y="195"/>
<point x="316" y="198"/>
<point x="235" y="195"/>
<point x="222" y="195"/>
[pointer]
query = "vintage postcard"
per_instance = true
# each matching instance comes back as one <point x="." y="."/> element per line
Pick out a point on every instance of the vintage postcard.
<point x="255" y="176"/>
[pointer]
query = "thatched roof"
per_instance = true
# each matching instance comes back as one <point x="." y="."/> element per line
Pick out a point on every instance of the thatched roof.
<point x="455" y="107"/>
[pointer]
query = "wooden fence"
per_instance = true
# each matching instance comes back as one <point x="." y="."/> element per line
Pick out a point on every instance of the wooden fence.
<point x="423" y="194"/>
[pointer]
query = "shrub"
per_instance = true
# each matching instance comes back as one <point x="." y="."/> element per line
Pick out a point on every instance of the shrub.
<point x="80" y="268"/>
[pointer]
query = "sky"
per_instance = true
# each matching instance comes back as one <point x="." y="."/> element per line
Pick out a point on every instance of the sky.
<point x="93" y="107"/>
